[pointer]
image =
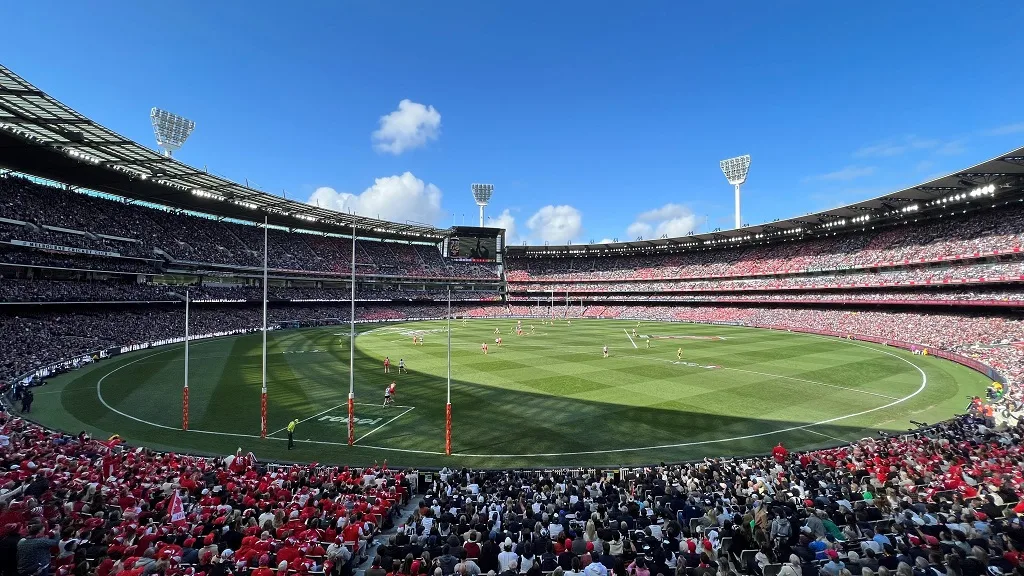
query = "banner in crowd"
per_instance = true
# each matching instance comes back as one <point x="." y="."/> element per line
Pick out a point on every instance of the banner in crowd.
<point x="177" y="510"/>
<point x="71" y="249"/>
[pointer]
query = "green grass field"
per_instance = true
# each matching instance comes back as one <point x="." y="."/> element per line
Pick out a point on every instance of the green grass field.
<point x="544" y="399"/>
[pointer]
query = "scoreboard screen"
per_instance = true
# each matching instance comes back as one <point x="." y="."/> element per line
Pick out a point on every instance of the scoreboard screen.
<point x="475" y="244"/>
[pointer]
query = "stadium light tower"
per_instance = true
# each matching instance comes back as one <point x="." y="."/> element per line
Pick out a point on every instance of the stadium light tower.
<point x="482" y="194"/>
<point x="735" y="170"/>
<point x="171" y="130"/>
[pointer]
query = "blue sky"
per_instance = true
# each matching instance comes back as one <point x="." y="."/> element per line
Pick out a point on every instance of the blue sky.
<point x="594" y="120"/>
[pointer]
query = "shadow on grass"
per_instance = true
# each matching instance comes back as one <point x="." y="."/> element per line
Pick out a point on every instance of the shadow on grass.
<point x="493" y="427"/>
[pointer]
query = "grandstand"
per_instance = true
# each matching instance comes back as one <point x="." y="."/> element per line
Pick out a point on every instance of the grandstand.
<point x="101" y="238"/>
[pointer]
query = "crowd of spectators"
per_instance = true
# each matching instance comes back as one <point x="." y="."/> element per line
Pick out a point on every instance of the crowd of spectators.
<point x="940" y="501"/>
<point x="83" y="506"/>
<point x="963" y="235"/>
<point x="945" y="500"/>
<point x="989" y="272"/>
<point x="967" y="297"/>
<point x="14" y="290"/>
<point x="44" y="336"/>
<point x="193" y="239"/>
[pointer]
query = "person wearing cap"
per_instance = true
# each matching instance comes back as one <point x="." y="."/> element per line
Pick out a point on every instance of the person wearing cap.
<point x="834" y="565"/>
<point x="507" y="557"/>
<point x="291" y="433"/>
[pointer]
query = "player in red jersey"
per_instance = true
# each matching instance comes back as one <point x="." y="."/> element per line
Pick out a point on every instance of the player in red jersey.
<point x="389" y="395"/>
<point x="484" y="347"/>
<point x="387" y="365"/>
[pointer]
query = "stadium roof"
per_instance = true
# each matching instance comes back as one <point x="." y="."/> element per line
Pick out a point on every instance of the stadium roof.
<point x="41" y="136"/>
<point x="1004" y="174"/>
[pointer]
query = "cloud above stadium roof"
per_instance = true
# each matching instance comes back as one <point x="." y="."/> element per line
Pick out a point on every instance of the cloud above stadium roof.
<point x="556" y="224"/>
<point x="411" y="126"/>
<point x="397" y="198"/>
<point x="671" y="220"/>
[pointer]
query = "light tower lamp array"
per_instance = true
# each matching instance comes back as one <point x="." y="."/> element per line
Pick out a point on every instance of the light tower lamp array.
<point x="482" y="195"/>
<point x="735" y="170"/>
<point x="170" y="129"/>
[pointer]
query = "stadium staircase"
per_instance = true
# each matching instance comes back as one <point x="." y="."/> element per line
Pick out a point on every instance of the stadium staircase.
<point x="403" y="517"/>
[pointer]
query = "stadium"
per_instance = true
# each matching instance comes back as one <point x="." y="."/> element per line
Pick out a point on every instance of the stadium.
<point x="344" y="365"/>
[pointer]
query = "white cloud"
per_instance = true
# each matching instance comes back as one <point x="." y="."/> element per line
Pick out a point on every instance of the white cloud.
<point x="1005" y="129"/>
<point x="639" y="229"/>
<point x="896" y="147"/>
<point x="672" y="220"/>
<point x="952" y="148"/>
<point x="395" y="198"/>
<point x="408" y="127"/>
<point x="556" y="224"/>
<point x="842" y="175"/>
<point x="606" y="241"/>
<point x="880" y="150"/>
<point x="507" y="221"/>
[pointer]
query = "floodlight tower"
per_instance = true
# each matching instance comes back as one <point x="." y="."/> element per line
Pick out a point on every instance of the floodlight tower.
<point x="171" y="130"/>
<point x="735" y="170"/>
<point x="482" y="194"/>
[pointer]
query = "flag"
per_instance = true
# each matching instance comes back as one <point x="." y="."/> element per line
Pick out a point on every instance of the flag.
<point x="177" y="510"/>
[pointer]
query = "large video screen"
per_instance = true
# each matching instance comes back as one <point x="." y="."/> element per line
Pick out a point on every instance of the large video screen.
<point x="473" y="248"/>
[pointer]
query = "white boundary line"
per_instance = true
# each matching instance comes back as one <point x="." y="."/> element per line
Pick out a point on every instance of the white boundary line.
<point x="99" y="393"/>
<point x="410" y="409"/>
<point x="826" y="435"/>
<point x="378" y="405"/>
<point x="311" y="417"/>
<point x="812" y="382"/>
<point x="924" y="384"/>
<point x="630" y="339"/>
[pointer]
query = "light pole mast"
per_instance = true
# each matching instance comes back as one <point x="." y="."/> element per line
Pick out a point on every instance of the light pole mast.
<point x="735" y="170"/>
<point x="482" y="195"/>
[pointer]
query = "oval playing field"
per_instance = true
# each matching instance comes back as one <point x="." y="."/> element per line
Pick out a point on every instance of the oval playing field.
<point x="546" y="398"/>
